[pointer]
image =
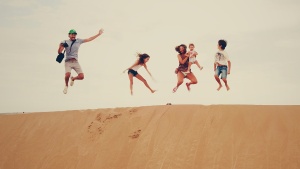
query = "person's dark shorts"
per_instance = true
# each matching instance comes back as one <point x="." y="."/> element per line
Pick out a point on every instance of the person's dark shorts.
<point x="133" y="72"/>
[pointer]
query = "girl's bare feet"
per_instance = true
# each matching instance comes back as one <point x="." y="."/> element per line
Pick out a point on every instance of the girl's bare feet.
<point x="152" y="91"/>
<point x="219" y="87"/>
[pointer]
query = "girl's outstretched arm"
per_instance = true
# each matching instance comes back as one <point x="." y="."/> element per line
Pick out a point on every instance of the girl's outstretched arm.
<point x="145" y="66"/>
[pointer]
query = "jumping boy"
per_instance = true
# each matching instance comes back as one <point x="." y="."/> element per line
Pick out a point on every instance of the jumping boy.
<point x="222" y="64"/>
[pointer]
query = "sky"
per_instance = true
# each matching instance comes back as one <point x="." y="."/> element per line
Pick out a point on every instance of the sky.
<point x="263" y="38"/>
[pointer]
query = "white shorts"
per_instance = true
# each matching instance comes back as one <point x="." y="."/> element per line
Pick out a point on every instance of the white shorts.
<point x="192" y="59"/>
<point x="73" y="64"/>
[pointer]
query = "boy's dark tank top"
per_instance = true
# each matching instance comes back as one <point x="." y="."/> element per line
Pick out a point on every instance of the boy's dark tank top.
<point x="183" y="67"/>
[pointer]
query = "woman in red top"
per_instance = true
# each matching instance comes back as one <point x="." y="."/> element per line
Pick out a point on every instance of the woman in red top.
<point x="182" y="70"/>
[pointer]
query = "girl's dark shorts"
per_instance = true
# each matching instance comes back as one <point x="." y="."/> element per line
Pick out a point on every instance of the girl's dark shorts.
<point x="133" y="72"/>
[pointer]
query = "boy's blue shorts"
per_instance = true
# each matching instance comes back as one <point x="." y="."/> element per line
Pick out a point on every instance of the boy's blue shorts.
<point x="221" y="70"/>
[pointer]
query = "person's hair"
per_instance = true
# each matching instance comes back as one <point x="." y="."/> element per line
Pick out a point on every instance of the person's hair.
<point x="191" y="44"/>
<point x="142" y="57"/>
<point x="222" y="43"/>
<point x="177" y="48"/>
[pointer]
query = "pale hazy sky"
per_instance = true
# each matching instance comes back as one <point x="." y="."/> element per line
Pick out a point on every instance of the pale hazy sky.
<point x="263" y="40"/>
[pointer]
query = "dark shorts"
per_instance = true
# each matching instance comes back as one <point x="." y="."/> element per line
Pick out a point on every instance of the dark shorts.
<point x="133" y="72"/>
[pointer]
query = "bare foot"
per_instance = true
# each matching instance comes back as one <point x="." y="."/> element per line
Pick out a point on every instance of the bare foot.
<point x="219" y="87"/>
<point x="227" y="87"/>
<point x="131" y="92"/>
<point x="152" y="91"/>
<point x="65" y="90"/>
<point x="72" y="81"/>
<point x="188" y="86"/>
<point x="175" y="89"/>
<point x="201" y="67"/>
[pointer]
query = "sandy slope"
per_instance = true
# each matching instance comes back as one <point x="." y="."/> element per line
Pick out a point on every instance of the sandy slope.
<point x="155" y="137"/>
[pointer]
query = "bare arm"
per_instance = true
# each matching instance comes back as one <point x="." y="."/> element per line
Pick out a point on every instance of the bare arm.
<point x="93" y="37"/>
<point x="145" y="66"/>
<point x="188" y="54"/>
<point x="135" y="63"/>
<point x="215" y="66"/>
<point x="229" y="67"/>
<point x="60" y="48"/>
<point x="182" y="61"/>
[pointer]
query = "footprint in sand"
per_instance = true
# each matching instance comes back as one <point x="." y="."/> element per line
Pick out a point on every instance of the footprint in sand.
<point x="100" y="131"/>
<point x="98" y="126"/>
<point x="110" y="117"/>
<point x="98" y="117"/>
<point x="90" y="126"/>
<point x="132" y="111"/>
<point x="136" y="134"/>
<point x="94" y="131"/>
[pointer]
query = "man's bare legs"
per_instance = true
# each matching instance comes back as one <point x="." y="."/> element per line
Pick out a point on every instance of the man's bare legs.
<point x="67" y="77"/>
<point x="80" y="76"/>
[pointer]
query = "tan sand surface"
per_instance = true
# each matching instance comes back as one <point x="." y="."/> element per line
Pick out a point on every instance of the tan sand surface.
<point x="154" y="137"/>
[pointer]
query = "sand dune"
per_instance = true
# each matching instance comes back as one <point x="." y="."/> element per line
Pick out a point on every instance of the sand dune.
<point x="154" y="137"/>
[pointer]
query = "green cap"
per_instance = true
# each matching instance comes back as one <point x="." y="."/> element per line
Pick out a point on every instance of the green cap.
<point x="72" y="31"/>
